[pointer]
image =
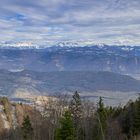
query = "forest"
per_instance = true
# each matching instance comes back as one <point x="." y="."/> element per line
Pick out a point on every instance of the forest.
<point x="76" y="119"/>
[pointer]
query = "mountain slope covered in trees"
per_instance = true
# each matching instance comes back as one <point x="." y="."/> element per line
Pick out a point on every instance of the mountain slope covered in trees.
<point x="70" y="119"/>
<point x="66" y="81"/>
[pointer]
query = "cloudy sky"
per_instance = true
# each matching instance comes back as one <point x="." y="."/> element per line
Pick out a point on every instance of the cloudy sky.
<point x="43" y="21"/>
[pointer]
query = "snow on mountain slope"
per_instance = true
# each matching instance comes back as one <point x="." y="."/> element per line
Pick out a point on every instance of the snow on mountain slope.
<point x="20" y="45"/>
<point x="70" y="56"/>
<point x="30" y="45"/>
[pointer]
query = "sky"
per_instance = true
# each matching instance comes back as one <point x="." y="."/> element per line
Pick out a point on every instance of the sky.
<point x="45" y="21"/>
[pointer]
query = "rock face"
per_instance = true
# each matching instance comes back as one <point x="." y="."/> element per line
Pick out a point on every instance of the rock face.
<point x="12" y="114"/>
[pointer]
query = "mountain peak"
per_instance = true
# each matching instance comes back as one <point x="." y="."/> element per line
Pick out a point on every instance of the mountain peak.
<point x="20" y="45"/>
<point x="62" y="44"/>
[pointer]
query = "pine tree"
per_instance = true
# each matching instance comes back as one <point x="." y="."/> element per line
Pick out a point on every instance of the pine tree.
<point x="75" y="105"/>
<point x="76" y="108"/>
<point x="101" y="121"/>
<point x="131" y="119"/>
<point x="136" y="119"/>
<point x="27" y="129"/>
<point x="66" y="130"/>
<point x="76" y="111"/>
<point x="102" y="113"/>
<point x="127" y="119"/>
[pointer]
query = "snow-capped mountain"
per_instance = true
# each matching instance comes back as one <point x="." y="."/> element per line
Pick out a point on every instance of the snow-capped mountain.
<point x="19" y="45"/>
<point x="68" y="44"/>
<point x="30" y="45"/>
<point x="70" y="56"/>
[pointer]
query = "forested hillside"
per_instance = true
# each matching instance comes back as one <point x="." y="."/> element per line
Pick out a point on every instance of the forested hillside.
<point x="90" y="84"/>
<point x="69" y="119"/>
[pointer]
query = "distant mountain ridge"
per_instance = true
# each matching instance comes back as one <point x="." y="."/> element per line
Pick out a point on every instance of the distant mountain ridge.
<point x="44" y="83"/>
<point x="118" y="59"/>
<point x="30" y="45"/>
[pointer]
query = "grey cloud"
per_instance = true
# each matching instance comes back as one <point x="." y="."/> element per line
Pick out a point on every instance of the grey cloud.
<point x="62" y="19"/>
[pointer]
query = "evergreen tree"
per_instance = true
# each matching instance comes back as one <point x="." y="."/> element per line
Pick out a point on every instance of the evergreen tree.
<point x="131" y="119"/>
<point x="76" y="111"/>
<point x="27" y="129"/>
<point x="136" y="119"/>
<point x="101" y="111"/>
<point x="76" y="107"/>
<point x="101" y="121"/>
<point x="66" y="130"/>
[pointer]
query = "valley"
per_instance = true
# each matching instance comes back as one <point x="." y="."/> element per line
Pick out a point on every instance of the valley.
<point x="27" y="85"/>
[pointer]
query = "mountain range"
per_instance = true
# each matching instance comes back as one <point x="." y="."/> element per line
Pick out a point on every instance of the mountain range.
<point x="27" y="70"/>
<point x="14" y="84"/>
<point x="65" y="57"/>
